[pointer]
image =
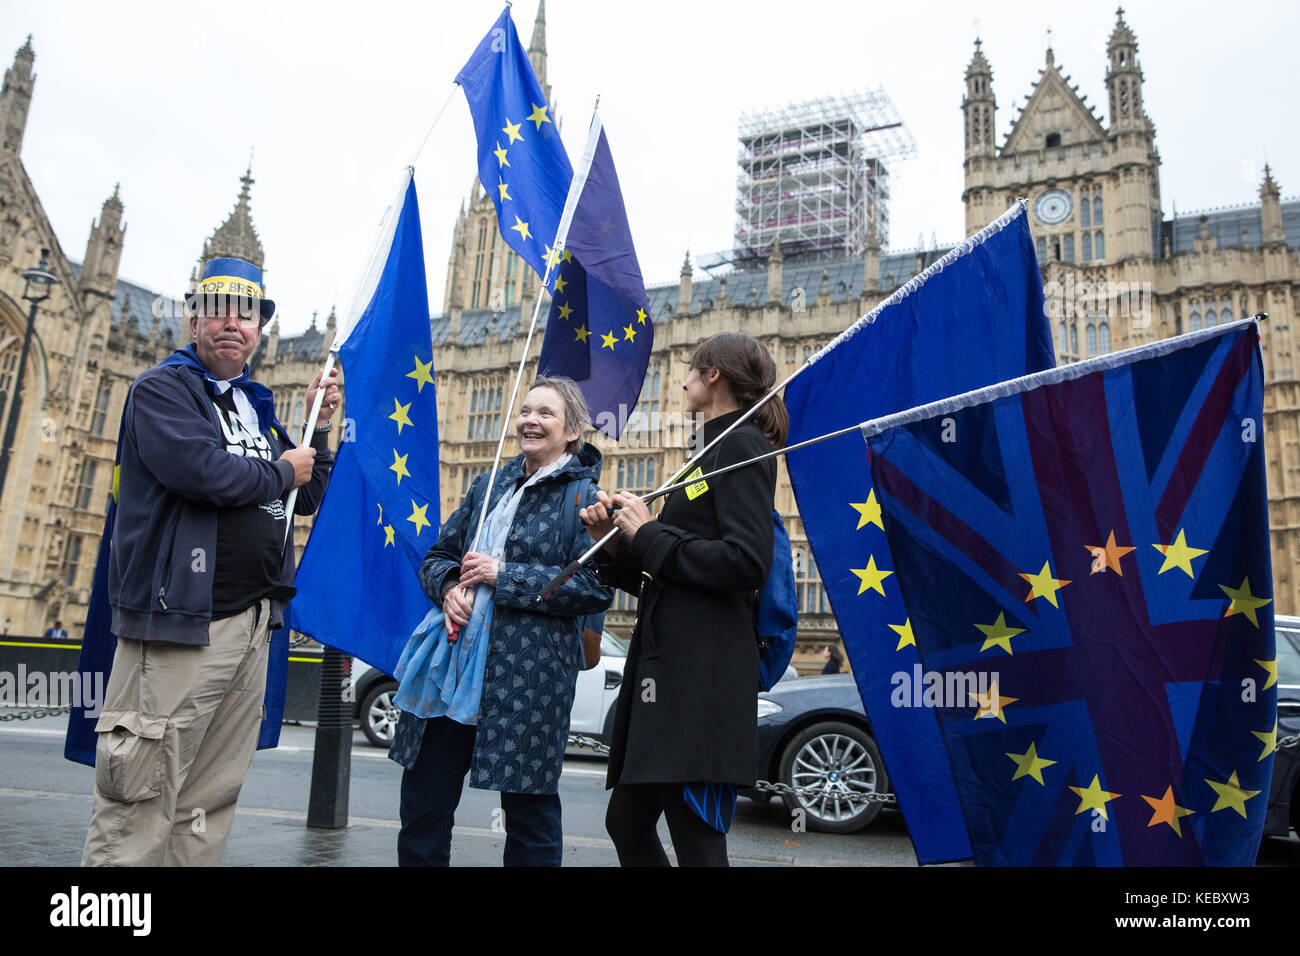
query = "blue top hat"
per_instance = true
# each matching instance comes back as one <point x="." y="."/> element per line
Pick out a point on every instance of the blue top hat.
<point x="232" y="277"/>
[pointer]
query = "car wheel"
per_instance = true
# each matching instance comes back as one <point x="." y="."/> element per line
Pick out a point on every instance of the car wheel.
<point x="379" y="714"/>
<point x="836" y="760"/>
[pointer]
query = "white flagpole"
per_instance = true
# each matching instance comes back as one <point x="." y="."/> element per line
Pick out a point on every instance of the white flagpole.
<point x="561" y="236"/>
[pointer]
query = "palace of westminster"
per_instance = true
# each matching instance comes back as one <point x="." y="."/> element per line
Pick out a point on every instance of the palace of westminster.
<point x="1095" y="214"/>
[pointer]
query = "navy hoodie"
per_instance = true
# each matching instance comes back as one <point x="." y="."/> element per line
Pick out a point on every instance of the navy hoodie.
<point x="175" y="477"/>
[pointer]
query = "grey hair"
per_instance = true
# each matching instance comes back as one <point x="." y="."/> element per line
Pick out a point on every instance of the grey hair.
<point x="576" y="413"/>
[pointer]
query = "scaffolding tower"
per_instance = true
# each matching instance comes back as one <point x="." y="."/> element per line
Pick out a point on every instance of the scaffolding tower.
<point x="813" y="175"/>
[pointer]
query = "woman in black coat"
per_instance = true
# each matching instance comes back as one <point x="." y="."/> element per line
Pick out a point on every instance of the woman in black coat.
<point x="685" y="728"/>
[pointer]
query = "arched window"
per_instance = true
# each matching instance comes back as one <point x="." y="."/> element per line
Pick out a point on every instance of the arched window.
<point x="72" y="560"/>
<point x="1087" y="243"/>
<point x="1225" y="311"/>
<point x="1103" y="334"/>
<point x="1042" y="250"/>
<point x="100" y="415"/>
<point x="475" y="297"/>
<point x="1074" y="340"/>
<point x="1069" y="248"/>
<point x="1210" y="318"/>
<point x="1090" y="337"/>
<point x="1085" y="210"/>
<point x="1194" y="320"/>
<point x="1099" y="247"/>
<point x="1064" y="340"/>
<point x="85" y="486"/>
<point x="8" y="372"/>
<point x="297" y="410"/>
<point x="1096" y="209"/>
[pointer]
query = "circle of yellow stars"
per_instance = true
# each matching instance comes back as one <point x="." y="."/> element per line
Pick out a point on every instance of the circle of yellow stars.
<point x="1229" y="793"/>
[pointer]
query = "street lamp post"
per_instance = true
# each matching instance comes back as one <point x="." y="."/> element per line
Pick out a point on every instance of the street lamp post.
<point x="36" y="290"/>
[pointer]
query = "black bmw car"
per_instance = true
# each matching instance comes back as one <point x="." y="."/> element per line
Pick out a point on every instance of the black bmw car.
<point x="1284" y="794"/>
<point x="813" y="734"/>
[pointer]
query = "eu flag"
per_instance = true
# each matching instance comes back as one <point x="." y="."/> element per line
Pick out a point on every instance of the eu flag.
<point x="598" y="332"/>
<point x="358" y="584"/>
<point x="1084" y="556"/>
<point x="977" y="321"/>
<point x="521" y="161"/>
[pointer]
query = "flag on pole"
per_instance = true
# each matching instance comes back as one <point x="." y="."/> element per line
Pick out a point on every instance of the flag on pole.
<point x="599" y="332"/>
<point x="358" y="583"/>
<point x="1085" y="566"/>
<point x="521" y="161"/>
<point x="975" y="318"/>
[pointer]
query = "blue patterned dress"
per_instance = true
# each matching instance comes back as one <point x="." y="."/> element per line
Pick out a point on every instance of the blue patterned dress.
<point x="533" y="650"/>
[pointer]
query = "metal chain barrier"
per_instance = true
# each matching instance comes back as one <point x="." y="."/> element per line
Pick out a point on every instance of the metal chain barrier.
<point x="34" y="713"/>
<point x="1286" y="743"/>
<point x="848" y="796"/>
<point x="765" y="786"/>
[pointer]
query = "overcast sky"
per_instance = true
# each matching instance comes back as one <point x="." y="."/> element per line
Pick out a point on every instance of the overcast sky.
<point x="169" y="98"/>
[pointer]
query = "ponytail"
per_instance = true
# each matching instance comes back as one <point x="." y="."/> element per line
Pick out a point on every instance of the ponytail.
<point x="749" y="370"/>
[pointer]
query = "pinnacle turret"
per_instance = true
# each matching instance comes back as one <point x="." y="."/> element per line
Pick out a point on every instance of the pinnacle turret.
<point x="16" y="99"/>
<point x="236" y="237"/>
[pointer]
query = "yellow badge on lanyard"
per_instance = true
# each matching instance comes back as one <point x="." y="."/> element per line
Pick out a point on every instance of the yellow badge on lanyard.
<point x="697" y="489"/>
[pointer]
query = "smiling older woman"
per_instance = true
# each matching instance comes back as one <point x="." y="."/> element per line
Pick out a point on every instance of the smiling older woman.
<point x="487" y="680"/>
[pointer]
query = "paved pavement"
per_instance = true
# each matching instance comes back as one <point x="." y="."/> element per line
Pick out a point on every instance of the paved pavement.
<point x="45" y="805"/>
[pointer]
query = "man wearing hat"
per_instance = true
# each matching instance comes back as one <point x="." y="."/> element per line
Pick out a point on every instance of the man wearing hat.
<point x="200" y="572"/>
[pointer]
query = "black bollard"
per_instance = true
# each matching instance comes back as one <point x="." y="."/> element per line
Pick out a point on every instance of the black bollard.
<point x="331" y="766"/>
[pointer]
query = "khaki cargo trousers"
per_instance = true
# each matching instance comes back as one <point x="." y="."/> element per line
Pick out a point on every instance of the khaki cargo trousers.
<point x="176" y="736"/>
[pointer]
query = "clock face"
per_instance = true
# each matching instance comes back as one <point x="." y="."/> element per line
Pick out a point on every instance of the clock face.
<point x="1053" y="207"/>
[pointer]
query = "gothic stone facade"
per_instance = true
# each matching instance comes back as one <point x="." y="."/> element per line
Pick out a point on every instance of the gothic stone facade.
<point x="96" y="332"/>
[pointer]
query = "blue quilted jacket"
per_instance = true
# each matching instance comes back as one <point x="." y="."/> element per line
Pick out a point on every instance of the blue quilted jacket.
<point x="534" y="651"/>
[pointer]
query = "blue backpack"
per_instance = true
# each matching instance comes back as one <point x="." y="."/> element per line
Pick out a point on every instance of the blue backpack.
<point x="778" y="611"/>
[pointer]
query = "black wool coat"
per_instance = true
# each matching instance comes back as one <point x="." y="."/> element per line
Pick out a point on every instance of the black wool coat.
<point x="686" y="711"/>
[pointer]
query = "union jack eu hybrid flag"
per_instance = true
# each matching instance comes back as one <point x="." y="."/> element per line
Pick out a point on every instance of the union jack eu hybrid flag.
<point x="1084" y="558"/>
<point x="599" y="332"/>
<point x="977" y="320"/>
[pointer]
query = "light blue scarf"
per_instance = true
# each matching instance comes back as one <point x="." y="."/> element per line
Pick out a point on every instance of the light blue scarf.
<point x="438" y="678"/>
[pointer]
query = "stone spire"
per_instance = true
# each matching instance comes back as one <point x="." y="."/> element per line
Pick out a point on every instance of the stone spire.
<point x="978" y="105"/>
<point x="236" y="238"/>
<point x="684" y="293"/>
<point x="871" y="264"/>
<point x="775" y="263"/>
<point x="537" y="48"/>
<point x="15" y="99"/>
<point x="104" y="249"/>
<point x="1270" y="209"/>
<point x="1124" y="78"/>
